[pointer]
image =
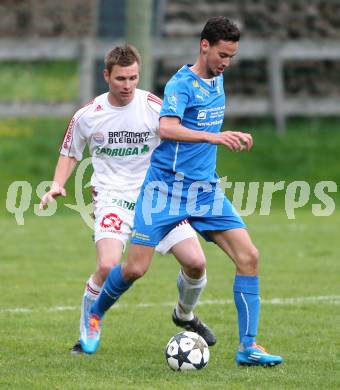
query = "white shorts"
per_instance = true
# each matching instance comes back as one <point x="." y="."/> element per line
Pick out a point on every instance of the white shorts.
<point x="115" y="220"/>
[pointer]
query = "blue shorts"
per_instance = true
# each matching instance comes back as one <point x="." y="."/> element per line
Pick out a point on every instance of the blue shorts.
<point x="166" y="199"/>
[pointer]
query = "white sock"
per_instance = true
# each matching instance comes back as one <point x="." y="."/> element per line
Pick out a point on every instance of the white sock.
<point x="92" y="290"/>
<point x="189" y="292"/>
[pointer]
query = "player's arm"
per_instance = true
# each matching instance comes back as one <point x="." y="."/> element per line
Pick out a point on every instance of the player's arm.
<point x="170" y="128"/>
<point x="63" y="171"/>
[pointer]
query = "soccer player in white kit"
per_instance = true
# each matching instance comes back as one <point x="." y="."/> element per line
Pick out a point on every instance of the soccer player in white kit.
<point x="120" y="128"/>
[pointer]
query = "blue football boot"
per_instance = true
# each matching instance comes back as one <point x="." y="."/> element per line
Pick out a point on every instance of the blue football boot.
<point x="90" y="338"/>
<point x="85" y="311"/>
<point x="256" y="356"/>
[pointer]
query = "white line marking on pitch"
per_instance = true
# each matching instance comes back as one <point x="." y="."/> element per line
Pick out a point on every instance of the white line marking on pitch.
<point x="332" y="299"/>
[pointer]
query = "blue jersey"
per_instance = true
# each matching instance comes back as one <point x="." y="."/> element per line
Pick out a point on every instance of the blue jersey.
<point x="200" y="107"/>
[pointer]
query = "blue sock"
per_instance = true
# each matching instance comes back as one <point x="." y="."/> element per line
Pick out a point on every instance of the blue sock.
<point x="247" y="301"/>
<point x="114" y="286"/>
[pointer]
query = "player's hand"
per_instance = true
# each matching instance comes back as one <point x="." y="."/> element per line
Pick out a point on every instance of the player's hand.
<point x="233" y="140"/>
<point x="55" y="191"/>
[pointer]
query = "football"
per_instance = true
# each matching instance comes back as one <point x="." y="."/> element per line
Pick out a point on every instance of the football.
<point x="187" y="351"/>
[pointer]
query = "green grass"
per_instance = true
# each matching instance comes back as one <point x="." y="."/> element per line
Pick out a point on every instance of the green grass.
<point x="308" y="151"/>
<point x="45" y="263"/>
<point x="48" y="81"/>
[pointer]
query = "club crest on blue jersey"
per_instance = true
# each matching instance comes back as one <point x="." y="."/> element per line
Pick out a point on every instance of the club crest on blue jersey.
<point x="204" y="91"/>
<point x="172" y="99"/>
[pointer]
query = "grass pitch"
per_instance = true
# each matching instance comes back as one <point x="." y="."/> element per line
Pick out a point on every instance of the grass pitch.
<point x="45" y="263"/>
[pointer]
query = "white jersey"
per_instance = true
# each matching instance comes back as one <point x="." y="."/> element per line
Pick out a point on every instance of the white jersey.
<point x="120" y="140"/>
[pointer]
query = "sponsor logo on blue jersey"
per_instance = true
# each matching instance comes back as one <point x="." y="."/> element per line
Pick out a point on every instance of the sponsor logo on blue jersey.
<point x="202" y="114"/>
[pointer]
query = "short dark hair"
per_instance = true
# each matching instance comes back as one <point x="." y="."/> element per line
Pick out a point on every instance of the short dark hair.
<point x="125" y="55"/>
<point x="220" y="28"/>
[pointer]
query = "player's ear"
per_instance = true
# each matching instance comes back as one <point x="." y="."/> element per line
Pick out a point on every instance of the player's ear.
<point x="106" y="75"/>
<point x="204" y="46"/>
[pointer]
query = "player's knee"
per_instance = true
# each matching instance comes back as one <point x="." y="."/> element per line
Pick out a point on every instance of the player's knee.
<point x="105" y="266"/>
<point x="248" y="261"/>
<point x="195" y="267"/>
<point x="133" y="272"/>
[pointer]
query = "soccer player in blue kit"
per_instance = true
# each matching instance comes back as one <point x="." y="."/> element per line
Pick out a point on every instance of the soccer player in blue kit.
<point x="182" y="183"/>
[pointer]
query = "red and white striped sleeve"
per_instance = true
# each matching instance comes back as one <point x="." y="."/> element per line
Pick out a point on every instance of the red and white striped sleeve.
<point x="155" y="103"/>
<point x="74" y="140"/>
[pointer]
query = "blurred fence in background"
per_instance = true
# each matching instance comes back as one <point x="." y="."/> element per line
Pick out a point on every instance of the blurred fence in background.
<point x="88" y="50"/>
<point x="262" y="82"/>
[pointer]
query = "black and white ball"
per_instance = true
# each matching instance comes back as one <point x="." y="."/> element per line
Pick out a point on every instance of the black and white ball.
<point x="187" y="351"/>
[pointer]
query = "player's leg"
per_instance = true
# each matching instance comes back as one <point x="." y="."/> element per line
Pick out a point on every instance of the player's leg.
<point x="183" y="243"/>
<point x="109" y="253"/>
<point x="122" y="276"/>
<point x="112" y="230"/>
<point x="191" y="282"/>
<point x="192" y="275"/>
<point x="145" y="237"/>
<point x="118" y="281"/>
<point x="238" y="245"/>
